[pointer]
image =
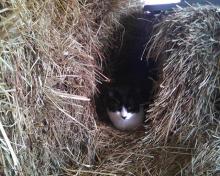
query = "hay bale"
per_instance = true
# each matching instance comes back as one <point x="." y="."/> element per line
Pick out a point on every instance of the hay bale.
<point x="45" y="111"/>
<point x="185" y="109"/>
<point x="51" y="56"/>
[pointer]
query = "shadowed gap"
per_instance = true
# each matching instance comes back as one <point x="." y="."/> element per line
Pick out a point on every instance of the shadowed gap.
<point x="127" y="62"/>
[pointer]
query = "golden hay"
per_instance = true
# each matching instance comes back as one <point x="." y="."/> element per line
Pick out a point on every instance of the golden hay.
<point x="51" y="58"/>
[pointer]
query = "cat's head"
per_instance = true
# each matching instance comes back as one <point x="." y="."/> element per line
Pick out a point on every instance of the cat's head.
<point x="123" y="100"/>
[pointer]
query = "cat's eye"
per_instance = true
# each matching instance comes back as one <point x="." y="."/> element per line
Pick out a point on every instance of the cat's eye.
<point x="130" y="108"/>
<point x="115" y="101"/>
<point x="133" y="108"/>
<point x="114" y="104"/>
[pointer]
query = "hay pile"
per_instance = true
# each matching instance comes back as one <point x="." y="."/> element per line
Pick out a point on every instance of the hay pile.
<point x="51" y="58"/>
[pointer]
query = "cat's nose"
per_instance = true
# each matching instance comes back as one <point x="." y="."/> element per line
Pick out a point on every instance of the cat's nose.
<point x="124" y="113"/>
<point x="123" y="117"/>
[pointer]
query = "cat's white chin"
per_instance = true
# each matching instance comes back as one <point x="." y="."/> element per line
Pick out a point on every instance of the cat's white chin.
<point x="131" y="122"/>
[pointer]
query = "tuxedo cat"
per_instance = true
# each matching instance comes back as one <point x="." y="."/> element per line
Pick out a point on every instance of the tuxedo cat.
<point x="124" y="106"/>
<point x="126" y="95"/>
<point x="131" y="79"/>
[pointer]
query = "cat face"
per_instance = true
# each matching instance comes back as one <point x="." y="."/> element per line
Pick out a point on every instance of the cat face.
<point x="123" y="101"/>
<point x="124" y="108"/>
<point x="127" y="121"/>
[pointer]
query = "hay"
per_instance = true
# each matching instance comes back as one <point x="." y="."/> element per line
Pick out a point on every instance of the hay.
<point x="206" y="160"/>
<point x="50" y="62"/>
<point x="187" y="41"/>
<point x="51" y="58"/>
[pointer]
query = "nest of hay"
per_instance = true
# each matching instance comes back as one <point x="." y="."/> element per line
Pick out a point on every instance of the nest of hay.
<point x="51" y="59"/>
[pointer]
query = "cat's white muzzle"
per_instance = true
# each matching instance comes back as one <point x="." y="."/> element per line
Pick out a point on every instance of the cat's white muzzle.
<point x="124" y="120"/>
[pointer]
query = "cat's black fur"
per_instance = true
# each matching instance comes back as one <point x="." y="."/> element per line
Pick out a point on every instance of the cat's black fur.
<point x="123" y="95"/>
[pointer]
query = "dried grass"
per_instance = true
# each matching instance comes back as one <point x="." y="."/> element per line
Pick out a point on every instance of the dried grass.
<point x="50" y="62"/>
<point x="206" y="160"/>
<point x="185" y="109"/>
